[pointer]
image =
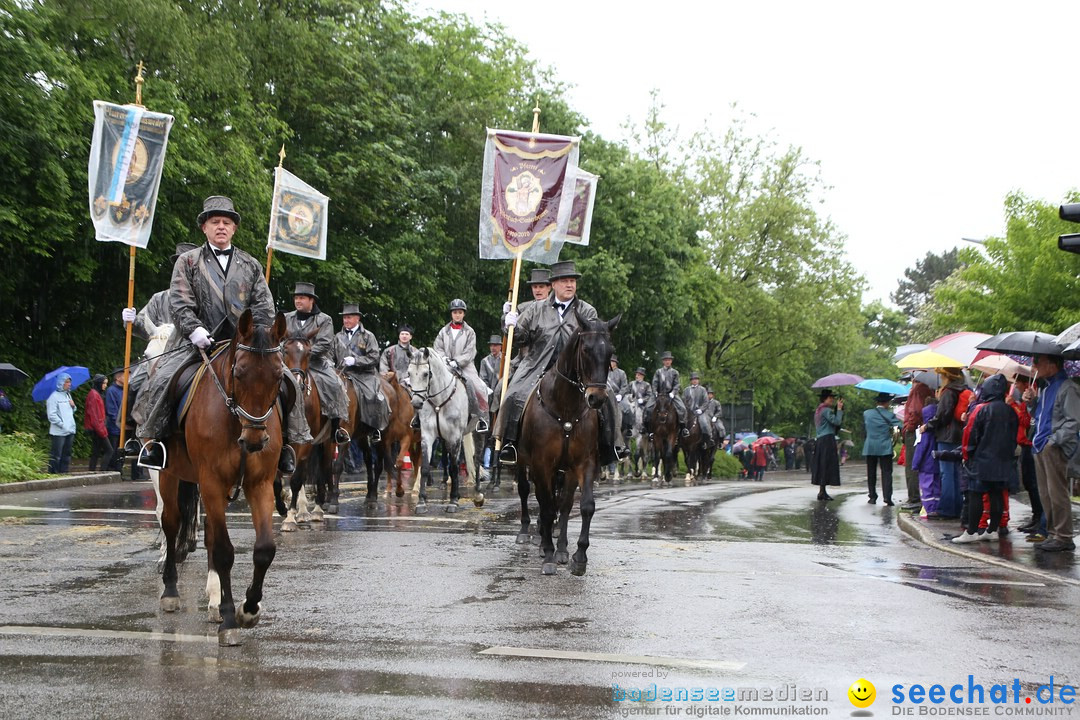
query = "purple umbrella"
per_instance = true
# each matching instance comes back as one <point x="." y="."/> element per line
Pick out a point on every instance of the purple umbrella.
<point x="836" y="380"/>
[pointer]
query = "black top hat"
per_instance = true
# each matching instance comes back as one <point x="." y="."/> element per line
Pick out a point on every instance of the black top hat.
<point x="695" y="375"/>
<point x="181" y="248"/>
<point x="708" y="389"/>
<point x="564" y="269"/>
<point x="495" y="340"/>
<point x="403" y="327"/>
<point x="349" y="308"/>
<point x="117" y="370"/>
<point x="217" y="205"/>
<point x="540" y="276"/>
<point x="306" y="288"/>
<point x="640" y="371"/>
<point x="614" y="358"/>
<point x="666" y="356"/>
<point x="883" y="397"/>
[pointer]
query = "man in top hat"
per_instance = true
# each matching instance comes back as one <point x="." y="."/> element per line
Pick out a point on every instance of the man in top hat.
<point x="456" y="342"/>
<point x="395" y="358"/>
<point x="641" y="392"/>
<point x="879" y="422"/>
<point x="620" y="388"/>
<point x="311" y="324"/>
<point x="666" y="381"/>
<point x="544" y="327"/>
<point x="492" y="363"/>
<point x="211" y="287"/>
<point x="715" y="412"/>
<point x="358" y="353"/>
<point x="696" y="398"/>
<point x="540" y="286"/>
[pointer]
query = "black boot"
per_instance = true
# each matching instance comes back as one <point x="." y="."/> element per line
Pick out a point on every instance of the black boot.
<point x="152" y="456"/>
<point x="341" y="436"/>
<point x="287" y="458"/>
<point x="508" y="454"/>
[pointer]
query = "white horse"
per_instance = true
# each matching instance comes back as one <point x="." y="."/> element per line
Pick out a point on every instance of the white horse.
<point x="640" y="436"/>
<point x="440" y="398"/>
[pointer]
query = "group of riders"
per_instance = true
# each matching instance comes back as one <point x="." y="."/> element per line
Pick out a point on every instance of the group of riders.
<point x="212" y="285"/>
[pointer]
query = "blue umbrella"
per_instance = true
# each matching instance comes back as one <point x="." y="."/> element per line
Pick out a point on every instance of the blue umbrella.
<point x="47" y="385"/>
<point x="883" y="385"/>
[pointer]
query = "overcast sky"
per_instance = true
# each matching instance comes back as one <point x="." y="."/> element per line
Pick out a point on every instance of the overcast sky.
<point x="923" y="115"/>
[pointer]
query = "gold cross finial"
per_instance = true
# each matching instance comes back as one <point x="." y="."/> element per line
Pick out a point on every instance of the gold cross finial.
<point x="536" y="116"/>
<point x="139" y="82"/>
<point x="281" y="156"/>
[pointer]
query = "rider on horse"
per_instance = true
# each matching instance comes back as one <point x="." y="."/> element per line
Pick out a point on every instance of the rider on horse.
<point x="641" y="392"/>
<point x="715" y="413"/>
<point x="358" y="354"/>
<point x="211" y="288"/>
<point x="620" y="388"/>
<point x="543" y="328"/>
<point x="666" y="382"/>
<point x="309" y="323"/>
<point x="395" y="358"/>
<point x="696" y="398"/>
<point x="456" y="342"/>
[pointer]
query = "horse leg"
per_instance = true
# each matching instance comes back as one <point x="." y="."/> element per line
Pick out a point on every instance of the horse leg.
<point x="336" y="462"/>
<point x="371" y="464"/>
<point x="296" y="487"/>
<point x="220" y="549"/>
<point x="425" y="472"/>
<point x="453" y="468"/>
<point x="546" y="500"/>
<point x="262" y="514"/>
<point x="579" y="562"/>
<point x="565" y="501"/>
<point x="523" y="493"/>
<point x="321" y="459"/>
<point x="170" y="525"/>
<point x="187" y="495"/>
<point x="280" y="499"/>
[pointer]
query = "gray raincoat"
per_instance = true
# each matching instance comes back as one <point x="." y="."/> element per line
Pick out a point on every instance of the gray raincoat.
<point x="364" y="374"/>
<point x="460" y="348"/>
<point x="319" y="331"/>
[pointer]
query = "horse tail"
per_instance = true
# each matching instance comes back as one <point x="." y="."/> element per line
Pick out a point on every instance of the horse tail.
<point x="188" y="503"/>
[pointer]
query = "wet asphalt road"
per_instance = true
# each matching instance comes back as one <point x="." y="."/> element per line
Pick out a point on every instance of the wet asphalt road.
<point x="382" y="613"/>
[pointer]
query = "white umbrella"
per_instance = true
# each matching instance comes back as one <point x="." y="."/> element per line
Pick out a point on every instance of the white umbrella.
<point x="1069" y="335"/>
<point x="961" y="345"/>
<point x="904" y="350"/>
<point x="1000" y="364"/>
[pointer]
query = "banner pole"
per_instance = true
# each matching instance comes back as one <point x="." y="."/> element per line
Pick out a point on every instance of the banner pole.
<point x="515" y="273"/>
<point x="273" y="211"/>
<point x="131" y="289"/>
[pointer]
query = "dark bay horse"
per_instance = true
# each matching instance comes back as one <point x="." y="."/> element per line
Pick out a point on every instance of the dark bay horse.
<point x="695" y="451"/>
<point x="664" y="428"/>
<point x="231" y="439"/>
<point x="558" y="449"/>
<point x="399" y="433"/>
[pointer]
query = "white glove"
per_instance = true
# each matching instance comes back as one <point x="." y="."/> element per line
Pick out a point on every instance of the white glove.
<point x="128" y="314"/>
<point x="699" y="411"/>
<point x="349" y="361"/>
<point x="200" y="338"/>
<point x="640" y="402"/>
<point x="507" y="307"/>
<point x="671" y="394"/>
<point x="453" y="364"/>
<point x="511" y="319"/>
<point x="714" y="418"/>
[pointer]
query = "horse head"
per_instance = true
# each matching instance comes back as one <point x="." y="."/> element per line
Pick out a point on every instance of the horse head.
<point x="419" y="375"/>
<point x="297" y="355"/>
<point x="255" y="377"/>
<point x="587" y="357"/>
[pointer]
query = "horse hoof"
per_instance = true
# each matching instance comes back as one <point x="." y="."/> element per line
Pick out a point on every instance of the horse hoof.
<point x="229" y="638"/>
<point x="331" y="508"/>
<point x="421" y="508"/>
<point x="522" y="538"/>
<point x="245" y="620"/>
<point x="562" y="557"/>
<point x="548" y="568"/>
<point x="577" y="568"/>
<point x="317" y="515"/>
<point x="478" y="499"/>
<point x="655" y="483"/>
<point x="289" y="525"/>
<point x="303" y="517"/>
<point x="213" y="614"/>
<point x="452" y="507"/>
<point x="170" y="604"/>
<point x="400" y="492"/>
<point x="371" y="501"/>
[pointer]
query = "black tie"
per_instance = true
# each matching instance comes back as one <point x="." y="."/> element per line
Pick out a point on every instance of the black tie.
<point x="226" y="252"/>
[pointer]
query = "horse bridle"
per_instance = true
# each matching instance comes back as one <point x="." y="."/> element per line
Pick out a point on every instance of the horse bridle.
<point x="254" y="422"/>
<point x="582" y="387"/>
<point x="301" y="374"/>
<point x="430" y="397"/>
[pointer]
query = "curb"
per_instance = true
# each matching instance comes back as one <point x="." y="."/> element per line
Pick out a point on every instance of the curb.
<point x="927" y="536"/>
<point x="61" y="481"/>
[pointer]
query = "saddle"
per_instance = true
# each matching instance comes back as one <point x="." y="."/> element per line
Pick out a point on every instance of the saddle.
<point x="183" y="384"/>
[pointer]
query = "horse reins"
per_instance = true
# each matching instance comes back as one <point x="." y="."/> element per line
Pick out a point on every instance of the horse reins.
<point x="427" y="397"/>
<point x="567" y="426"/>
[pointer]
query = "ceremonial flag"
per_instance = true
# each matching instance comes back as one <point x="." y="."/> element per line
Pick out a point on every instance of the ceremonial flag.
<point x="577" y="229"/>
<point x="297" y="217"/>
<point x="126" y="157"/>
<point x="526" y="195"/>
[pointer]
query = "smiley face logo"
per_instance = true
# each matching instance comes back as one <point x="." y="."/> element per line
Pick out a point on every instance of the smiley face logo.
<point x="862" y="693"/>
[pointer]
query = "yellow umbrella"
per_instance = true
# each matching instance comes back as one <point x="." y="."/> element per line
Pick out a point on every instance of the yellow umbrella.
<point x="926" y="359"/>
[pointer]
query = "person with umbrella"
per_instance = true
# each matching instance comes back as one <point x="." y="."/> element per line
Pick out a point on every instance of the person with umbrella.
<point x="919" y="396"/>
<point x="1057" y="410"/>
<point x="879" y="422"/>
<point x="60" y="409"/>
<point x="826" y="461"/>
<point x="948" y="429"/>
<point x="94" y="424"/>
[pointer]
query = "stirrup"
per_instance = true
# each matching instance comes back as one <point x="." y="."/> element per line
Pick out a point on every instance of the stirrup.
<point x="685" y="432"/>
<point x="508" y="454"/>
<point x="482" y="425"/>
<point x="342" y="436"/>
<point x="621" y="453"/>
<point x="287" y="460"/>
<point x="132" y="446"/>
<point x="374" y="436"/>
<point x="152" y="456"/>
<point x="415" y="424"/>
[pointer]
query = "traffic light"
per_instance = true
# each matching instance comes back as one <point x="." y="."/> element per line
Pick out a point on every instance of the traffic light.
<point x="1070" y="242"/>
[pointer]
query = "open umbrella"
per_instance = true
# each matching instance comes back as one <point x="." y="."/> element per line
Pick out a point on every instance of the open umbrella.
<point x="1023" y="342"/>
<point x="905" y="350"/>
<point x="746" y="437"/>
<point x="836" y="380"/>
<point x="11" y="375"/>
<point x="961" y="346"/>
<point x="999" y="363"/>
<point x="47" y="385"/>
<point x="884" y="385"/>
<point x="768" y="440"/>
<point x="929" y="378"/>
<point x="929" y="359"/>
<point x="1069" y="335"/>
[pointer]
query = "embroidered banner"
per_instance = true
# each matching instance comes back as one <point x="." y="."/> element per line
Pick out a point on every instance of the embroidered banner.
<point x="577" y="229"/>
<point x="297" y="217"/>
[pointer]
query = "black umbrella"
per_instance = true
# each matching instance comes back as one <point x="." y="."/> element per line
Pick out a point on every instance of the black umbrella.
<point x="1023" y="342"/>
<point x="11" y="375"/>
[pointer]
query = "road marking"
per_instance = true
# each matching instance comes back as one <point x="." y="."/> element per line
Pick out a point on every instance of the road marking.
<point x="41" y="630"/>
<point x="1020" y="583"/>
<point x="660" y="660"/>
<point x="20" y="508"/>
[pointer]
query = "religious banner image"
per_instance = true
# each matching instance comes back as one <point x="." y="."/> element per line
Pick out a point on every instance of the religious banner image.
<point x="298" y="217"/>
<point x="526" y="195"/>
<point x="127" y="154"/>
<point x="577" y="229"/>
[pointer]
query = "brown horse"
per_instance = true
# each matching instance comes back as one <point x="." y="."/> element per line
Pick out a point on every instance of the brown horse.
<point x="694" y="450"/>
<point x="401" y="433"/>
<point x="558" y="449"/>
<point x="664" y="429"/>
<point x="231" y="439"/>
